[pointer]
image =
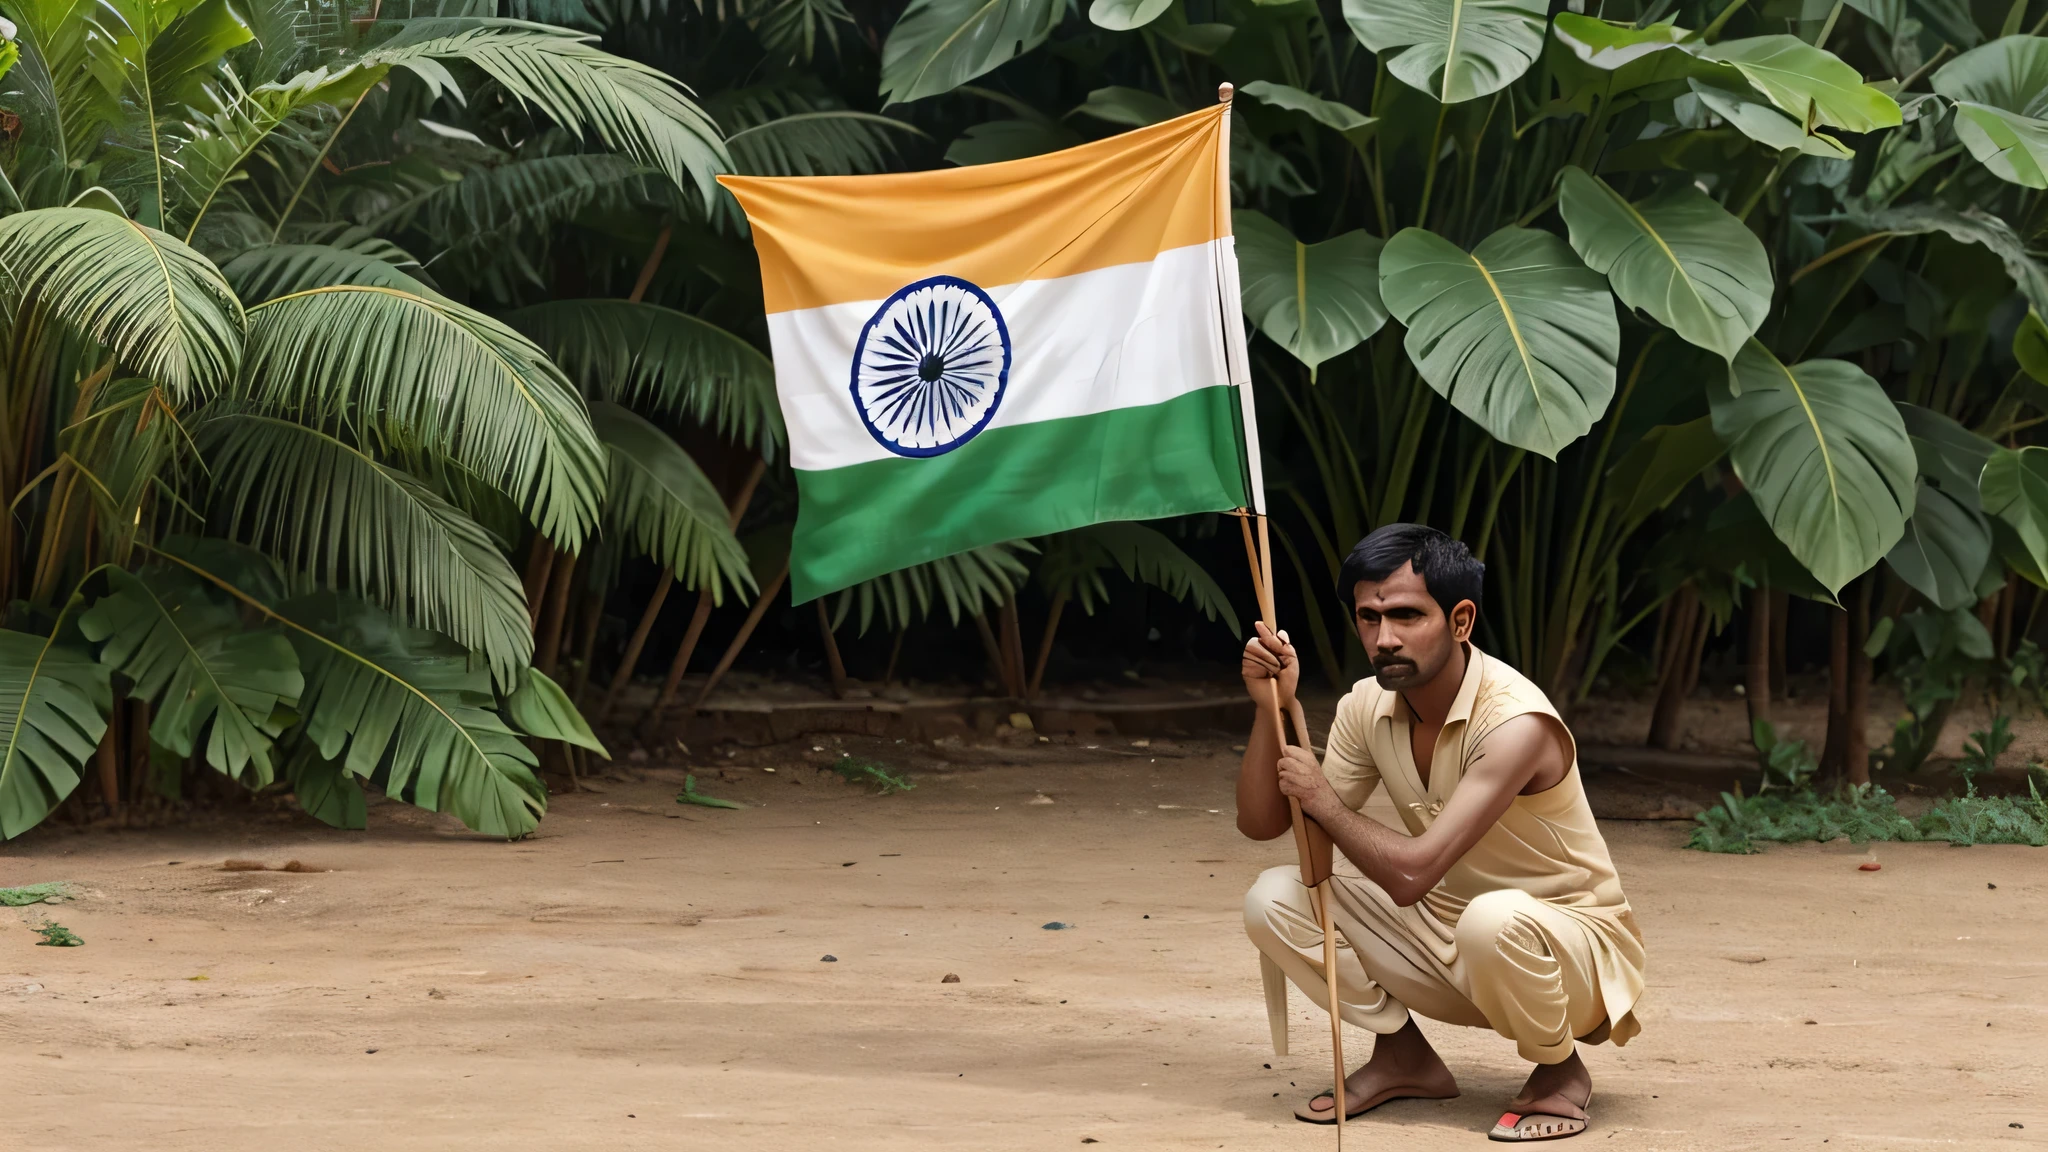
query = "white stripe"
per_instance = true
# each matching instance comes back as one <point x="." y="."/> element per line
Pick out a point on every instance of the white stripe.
<point x="1121" y="337"/>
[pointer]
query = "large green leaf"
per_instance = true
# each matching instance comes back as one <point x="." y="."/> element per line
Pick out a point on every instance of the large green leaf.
<point x="1518" y="335"/>
<point x="661" y="361"/>
<point x="446" y="377"/>
<point x="1949" y="454"/>
<point x="1125" y="15"/>
<point x="1677" y="255"/>
<point x="162" y="307"/>
<point x="1653" y="472"/>
<point x="1970" y="226"/>
<point x="1604" y="59"/>
<point x="1754" y="117"/>
<point x="324" y="788"/>
<point x="543" y="710"/>
<point x="1455" y="50"/>
<point x="1944" y="549"/>
<point x="1812" y="85"/>
<point x="998" y="140"/>
<point x="205" y="671"/>
<point x="665" y="505"/>
<point x="2001" y="96"/>
<point x="1346" y="121"/>
<point x="2015" y="489"/>
<point x="1315" y="300"/>
<point x="1127" y="107"/>
<point x="1825" y="454"/>
<point x="967" y="583"/>
<point x="54" y="701"/>
<point x="325" y="506"/>
<point x="410" y="713"/>
<point x="938" y="45"/>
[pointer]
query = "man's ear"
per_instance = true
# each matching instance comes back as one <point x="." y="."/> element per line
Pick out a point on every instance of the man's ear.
<point x="1464" y="614"/>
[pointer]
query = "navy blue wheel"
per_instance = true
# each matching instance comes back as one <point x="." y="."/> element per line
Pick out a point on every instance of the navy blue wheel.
<point x="930" y="366"/>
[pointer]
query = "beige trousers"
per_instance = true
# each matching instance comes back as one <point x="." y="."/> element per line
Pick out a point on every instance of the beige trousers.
<point x="1510" y="962"/>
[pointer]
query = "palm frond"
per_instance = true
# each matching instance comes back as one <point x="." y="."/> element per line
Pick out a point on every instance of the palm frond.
<point x="661" y="501"/>
<point x="54" y="701"/>
<point x="542" y="710"/>
<point x="780" y="131"/>
<point x="658" y="360"/>
<point x="490" y="205"/>
<point x="190" y="655"/>
<point x="324" y="788"/>
<point x="631" y="107"/>
<point x="324" y="506"/>
<point x="793" y="28"/>
<point x="161" y="307"/>
<point x="422" y="369"/>
<point x="264" y="274"/>
<point x="967" y="583"/>
<point x="1074" y="562"/>
<point x="405" y="710"/>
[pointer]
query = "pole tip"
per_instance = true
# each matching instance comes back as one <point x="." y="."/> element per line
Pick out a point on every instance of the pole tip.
<point x="1224" y="91"/>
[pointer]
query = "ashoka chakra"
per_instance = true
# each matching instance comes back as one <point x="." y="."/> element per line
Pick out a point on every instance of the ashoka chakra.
<point x="930" y="367"/>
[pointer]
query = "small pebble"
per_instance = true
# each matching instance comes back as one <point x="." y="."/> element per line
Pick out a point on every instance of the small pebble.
<point x="1055" y="926"/>
<point x="828" y="958"/>
<point x="369" y="1051"/>
<point x="949" y="978"/>
<point x="1869" y="866"/>
<point x="1993" y="887"/>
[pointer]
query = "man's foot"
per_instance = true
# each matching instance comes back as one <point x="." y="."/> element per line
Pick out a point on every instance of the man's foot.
<point x="1551" y="1104"/>
<point x="1403" y="1066"/>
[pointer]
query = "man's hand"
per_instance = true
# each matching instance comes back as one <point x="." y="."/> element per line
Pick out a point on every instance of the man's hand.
<point x="1302" y="778"/>
<point x="1269" y="656"/>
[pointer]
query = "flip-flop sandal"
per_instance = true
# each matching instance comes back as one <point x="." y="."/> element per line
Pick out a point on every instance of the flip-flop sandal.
<point x="1516" y="1126"/>
<point x="1308" y="1115"/>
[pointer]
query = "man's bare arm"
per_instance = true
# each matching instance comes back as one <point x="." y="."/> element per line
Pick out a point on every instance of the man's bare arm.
<point x="1526" y="748"/>
<point x="1262" y="812"/>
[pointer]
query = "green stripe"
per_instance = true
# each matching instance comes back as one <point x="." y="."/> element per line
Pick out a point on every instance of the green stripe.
<point x="1167" y="459"/>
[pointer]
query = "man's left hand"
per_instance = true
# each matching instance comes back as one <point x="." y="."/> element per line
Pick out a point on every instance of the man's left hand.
<point x="1302" y="778"/>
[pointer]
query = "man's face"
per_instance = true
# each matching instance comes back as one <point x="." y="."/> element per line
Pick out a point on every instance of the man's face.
<point x="1404" y="631"/>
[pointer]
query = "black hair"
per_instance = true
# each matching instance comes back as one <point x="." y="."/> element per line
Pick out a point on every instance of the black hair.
<point x="1448" y="568"/>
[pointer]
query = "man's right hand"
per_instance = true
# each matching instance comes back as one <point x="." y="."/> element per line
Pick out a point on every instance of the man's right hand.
<point x="1269" y="656"/>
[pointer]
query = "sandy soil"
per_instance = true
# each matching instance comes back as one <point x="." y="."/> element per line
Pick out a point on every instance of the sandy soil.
<point x="640" y="975"/>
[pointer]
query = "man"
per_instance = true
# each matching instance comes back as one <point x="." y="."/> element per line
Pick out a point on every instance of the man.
<point x="1500" y="906"/>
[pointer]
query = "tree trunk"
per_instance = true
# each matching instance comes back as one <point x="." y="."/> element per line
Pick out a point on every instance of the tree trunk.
<point x="1013" y="648"/>
<point x="833" y="663"/>
<point x="1856" y="713"/>
<point x="630" y="660"/>
<point x="548" y="638"/>
<point x="1678" y="648"/>
<point x="1052" y="624"/>
<point x="680" y="664"/>
<point x="540" y="564"/>
<point x="1756" y="681"/>
<point x="1781" y="610"/>
<point x="998" y="667"/>
<point x="1831" y="759"/>
<point x="732" y="650"/>
<point x="109" y="763"/>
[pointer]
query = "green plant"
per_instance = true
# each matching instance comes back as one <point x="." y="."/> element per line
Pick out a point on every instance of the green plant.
<point x="56" y="935"/>
<point x="690" y="795"/>
<point x="861" y="770"/>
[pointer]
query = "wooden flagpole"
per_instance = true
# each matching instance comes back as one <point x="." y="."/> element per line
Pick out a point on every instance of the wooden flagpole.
<point x="1312" y="846"/>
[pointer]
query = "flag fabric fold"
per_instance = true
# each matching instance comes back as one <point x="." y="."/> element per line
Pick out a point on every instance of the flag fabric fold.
<point x="1006" y="350"/>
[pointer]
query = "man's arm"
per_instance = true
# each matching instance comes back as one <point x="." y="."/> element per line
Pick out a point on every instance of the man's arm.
<point x="1262" y="812"/>
<point x="1526" y="748"/>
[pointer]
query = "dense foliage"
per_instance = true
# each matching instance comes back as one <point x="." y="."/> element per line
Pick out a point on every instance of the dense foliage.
<point x="362" y="359"/>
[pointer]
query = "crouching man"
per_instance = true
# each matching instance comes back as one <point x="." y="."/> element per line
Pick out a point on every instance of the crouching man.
<point x="1499" y="908"/>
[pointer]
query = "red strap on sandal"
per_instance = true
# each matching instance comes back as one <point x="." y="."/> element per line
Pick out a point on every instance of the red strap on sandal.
<point x="1510" y="1119"/>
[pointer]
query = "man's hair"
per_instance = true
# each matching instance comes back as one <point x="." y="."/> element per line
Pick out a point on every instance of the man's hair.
<point x="1446" y="566"/>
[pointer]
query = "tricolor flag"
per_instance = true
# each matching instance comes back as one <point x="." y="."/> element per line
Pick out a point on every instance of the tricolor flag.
<point x="1006" y="350"/>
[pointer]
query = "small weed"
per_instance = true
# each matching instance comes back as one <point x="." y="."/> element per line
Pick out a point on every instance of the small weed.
<point x="1865" y="812"/>
<point x="861" y="770"/>
<point x="55" y="892"/>
<point x="57" y="936"/>
<point x="690" y="795"/>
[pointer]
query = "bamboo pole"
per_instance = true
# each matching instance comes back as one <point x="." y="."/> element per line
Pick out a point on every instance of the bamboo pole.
<point x="833" y="663"/>
<point x="688" y="647"/>
<point x="732" y="650"/>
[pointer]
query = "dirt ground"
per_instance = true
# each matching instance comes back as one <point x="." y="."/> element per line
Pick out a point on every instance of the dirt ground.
<point x="642" y="975"/>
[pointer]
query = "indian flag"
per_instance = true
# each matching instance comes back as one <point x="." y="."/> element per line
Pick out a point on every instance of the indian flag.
<point x="1006" y="350"/>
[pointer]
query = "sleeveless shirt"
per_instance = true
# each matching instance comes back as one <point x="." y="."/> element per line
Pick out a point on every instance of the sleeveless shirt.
<point x="1545" y="844"/>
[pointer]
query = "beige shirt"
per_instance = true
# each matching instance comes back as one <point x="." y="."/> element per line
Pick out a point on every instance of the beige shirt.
<point x="1545" y="844"/>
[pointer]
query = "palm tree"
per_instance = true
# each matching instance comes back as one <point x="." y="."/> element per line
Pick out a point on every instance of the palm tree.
<point x="265" y="472"/>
